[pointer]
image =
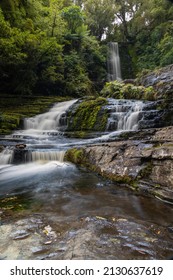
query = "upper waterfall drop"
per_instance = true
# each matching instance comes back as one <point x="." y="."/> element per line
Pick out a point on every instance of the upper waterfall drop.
<point x="113" y="62"/>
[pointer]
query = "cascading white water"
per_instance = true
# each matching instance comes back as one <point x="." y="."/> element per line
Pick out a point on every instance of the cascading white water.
<point x="40" y="127"/>
<point x="113" y="62"/>
<point x="6" y="156"/>
<point x="124" y="114"/>
<point x="45" y="156"/>
<point x="48" y="121"/>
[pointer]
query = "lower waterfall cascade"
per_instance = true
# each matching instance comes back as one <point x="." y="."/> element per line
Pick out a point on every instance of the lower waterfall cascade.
<point x="44" y="132"/>
<point x="53" y="209"/>
<point x="48" y="122"/>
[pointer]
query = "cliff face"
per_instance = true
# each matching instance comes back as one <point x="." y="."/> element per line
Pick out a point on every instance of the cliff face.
<point x="144" y="160"/>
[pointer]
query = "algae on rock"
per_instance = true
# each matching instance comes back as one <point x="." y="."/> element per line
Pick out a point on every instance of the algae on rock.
<point x="88" y="116"/>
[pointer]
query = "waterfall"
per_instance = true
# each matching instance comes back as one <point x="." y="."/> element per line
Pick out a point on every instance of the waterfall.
<point x="124" y="114"/>
<point x="6" y="156"/>
<point x="113" y="62"/>
<point x="50" y="121"/>
<point x="45" y="156"/>
<point x="39" y="128"/>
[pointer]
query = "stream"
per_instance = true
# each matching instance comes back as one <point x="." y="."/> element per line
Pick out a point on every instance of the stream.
<point x="52" y="209"/>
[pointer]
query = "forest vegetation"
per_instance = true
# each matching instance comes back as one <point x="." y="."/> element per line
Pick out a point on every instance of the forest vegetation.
<point x="59" y="47"/>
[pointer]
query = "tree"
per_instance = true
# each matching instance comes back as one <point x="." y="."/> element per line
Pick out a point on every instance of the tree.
<point x="100" y="16"/>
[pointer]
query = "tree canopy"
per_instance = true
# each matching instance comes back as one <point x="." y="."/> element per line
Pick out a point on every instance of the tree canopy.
<point x="59" y="46"/>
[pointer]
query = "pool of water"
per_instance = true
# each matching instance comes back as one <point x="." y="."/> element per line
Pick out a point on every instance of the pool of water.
<point x="57" y="210"/>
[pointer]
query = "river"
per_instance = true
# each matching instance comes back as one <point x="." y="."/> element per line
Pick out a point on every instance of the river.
<point x="51" y="209"/>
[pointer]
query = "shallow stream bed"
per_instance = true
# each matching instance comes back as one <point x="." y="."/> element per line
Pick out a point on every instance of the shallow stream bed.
<point x="57" y="211"/>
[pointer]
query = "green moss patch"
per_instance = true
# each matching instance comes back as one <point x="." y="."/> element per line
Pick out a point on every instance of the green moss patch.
<point x="88" y="116"/>
<point x="75" y="155"/>
<point x="120" y="90"/>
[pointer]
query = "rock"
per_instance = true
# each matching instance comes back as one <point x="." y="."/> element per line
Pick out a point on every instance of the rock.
<point x="20" y="146"/>
<point x="1" y="148"/>
<point x="145" y="165"/>
<point x="19" y="234"/>
<point x="161" y="80"/>
<point x="19" y="154"/>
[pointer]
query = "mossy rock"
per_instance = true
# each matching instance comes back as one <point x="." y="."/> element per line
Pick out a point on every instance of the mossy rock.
<point x="88" y="116"/>
<point x="75" y="155"/>
<point x="78" y="156"/>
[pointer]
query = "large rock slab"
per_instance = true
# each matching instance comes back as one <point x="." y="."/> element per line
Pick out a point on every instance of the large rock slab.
<point x="144" y="165"/>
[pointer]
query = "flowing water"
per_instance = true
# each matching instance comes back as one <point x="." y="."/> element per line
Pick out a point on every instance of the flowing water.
<point x="51" y="209"/>
<point x="113" y="62"/>
<point x="124" y="114"/>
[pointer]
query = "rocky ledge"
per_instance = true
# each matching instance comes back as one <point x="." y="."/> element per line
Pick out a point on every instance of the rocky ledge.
<point x="144" y="162"/>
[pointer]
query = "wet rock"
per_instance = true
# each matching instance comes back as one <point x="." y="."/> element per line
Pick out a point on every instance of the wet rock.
<point x="93" y="237"/>
<point x="145" y="165"/>
<point x="39" y="250"/>
<point x="19" y="234"/>
<point x="1" y="148"/>
<point x="19" y="155"/>
<point x="20" y="146"/>
<point x="161" y="80"/>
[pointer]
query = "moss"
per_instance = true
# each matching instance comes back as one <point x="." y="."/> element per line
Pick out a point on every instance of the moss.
<point x="88" y="116"/>
<point x="127" y="180"/>
<point x="146" y="171"/>
<point x="75" y="155"/>
<point x="120" y="90"/>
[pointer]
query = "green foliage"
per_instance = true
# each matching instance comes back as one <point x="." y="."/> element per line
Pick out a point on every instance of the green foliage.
<point x="59" y="46"/>
<point x="77" y="82"/>
<point x="43" y="47"/>
<point x="94" y="57"/>
<point x="100" y="16"/>
<point x="73" y="17"/>
<point x="120" y="90"/>
<point x="165" y="46"/>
